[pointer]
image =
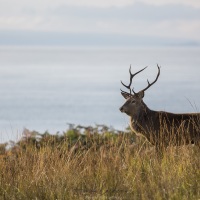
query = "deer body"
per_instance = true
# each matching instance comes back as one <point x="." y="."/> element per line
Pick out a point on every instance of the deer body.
<point x="158" y="127"/>
<point x="166" y="128"/>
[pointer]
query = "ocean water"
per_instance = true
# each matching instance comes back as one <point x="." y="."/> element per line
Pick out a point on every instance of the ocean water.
<point x="44" y="88"/>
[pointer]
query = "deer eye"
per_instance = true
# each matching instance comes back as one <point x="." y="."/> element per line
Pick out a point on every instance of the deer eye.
<point x="133" y="101"/>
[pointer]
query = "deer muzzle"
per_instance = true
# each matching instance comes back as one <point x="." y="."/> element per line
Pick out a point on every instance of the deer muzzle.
<point x="121" y="109"/>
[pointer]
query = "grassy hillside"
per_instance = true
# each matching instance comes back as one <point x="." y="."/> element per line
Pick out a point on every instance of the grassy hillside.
<point x="96" y="164"/>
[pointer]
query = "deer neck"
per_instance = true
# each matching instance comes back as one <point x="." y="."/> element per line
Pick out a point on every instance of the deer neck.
<point x="142" y="114"/>
<point x="139" y="120"/>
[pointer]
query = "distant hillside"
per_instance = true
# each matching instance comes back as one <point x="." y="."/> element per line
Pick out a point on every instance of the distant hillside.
<point x="70" y="39"/>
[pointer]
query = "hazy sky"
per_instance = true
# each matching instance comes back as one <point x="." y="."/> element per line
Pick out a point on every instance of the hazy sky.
<point x="163" y="19"/>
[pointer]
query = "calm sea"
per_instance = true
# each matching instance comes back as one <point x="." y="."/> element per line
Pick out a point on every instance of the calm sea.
<point x="44" y="88"/>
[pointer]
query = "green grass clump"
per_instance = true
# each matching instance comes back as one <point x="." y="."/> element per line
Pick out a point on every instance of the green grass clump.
<point x="93" y="165"/>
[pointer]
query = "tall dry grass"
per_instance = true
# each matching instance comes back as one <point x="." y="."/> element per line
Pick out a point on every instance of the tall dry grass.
<point x="100" y="167"/>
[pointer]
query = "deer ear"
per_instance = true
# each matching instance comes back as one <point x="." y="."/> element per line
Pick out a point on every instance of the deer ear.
<point x="125" y="94"/>
<point x="141" y="94"/>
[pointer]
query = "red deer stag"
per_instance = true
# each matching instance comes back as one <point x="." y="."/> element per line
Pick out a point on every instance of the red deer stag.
<point x="158" y="127"/>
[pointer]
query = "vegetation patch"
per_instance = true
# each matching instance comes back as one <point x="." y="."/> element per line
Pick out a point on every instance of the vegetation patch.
<point x="96" y="163"/>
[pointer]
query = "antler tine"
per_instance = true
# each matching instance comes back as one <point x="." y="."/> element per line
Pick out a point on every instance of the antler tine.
<point x="131" y="78"/>
<point x="150" y="84"/>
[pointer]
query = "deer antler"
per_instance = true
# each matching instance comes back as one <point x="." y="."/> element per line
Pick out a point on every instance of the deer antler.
<point x="150" y="84"/>
<point x="131" y="78"/>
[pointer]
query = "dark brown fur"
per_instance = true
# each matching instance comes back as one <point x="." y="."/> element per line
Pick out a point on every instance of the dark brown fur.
<point x="163" y="128"/>
<point x="158" y="127"/>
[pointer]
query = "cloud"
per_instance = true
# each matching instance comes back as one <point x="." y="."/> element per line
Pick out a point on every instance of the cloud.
<point x="138" y="11"/>
<point x="167" y="19"/>
<point x="191" y="3"/>
<point x="112" y="3"/>
<point x="38" y="6"/>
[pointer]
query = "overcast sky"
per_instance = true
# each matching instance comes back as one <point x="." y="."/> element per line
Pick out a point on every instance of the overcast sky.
<point x="163" y="19"/>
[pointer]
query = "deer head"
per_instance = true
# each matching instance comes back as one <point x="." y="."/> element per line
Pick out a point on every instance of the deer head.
<point x="134" y="103"/>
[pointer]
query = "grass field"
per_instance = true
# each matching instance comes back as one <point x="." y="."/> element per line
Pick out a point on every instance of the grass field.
<point x="95" y="165"/>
